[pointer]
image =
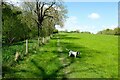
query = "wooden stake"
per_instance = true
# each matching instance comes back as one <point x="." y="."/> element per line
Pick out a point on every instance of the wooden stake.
<point x="26" y="46"/>
<point x="38" y="41"/>
<point x="43" y="40"/>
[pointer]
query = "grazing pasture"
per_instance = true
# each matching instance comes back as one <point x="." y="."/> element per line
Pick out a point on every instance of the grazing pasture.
<point x="99" y="58"/>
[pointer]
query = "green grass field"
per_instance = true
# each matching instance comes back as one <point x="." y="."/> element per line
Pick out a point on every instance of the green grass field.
<point x="99" y="58"/>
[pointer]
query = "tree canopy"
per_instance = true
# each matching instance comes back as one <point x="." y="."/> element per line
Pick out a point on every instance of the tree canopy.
<point x="31" y="19"/>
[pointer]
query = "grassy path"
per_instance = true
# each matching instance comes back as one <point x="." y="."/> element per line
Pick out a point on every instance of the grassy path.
<point x="98" y="59"/>
<point x="45" y="63"/>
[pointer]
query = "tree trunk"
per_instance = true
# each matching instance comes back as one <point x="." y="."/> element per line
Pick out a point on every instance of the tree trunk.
<point x="38" y="35"/>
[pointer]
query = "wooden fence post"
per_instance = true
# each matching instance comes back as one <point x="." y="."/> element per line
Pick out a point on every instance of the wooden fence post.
<point x="26" y="47"/>
<point x="43" y="40"/>
<point x="39" y="41"/>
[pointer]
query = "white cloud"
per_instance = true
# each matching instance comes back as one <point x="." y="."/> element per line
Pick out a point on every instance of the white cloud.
<point x="94" y="16"/>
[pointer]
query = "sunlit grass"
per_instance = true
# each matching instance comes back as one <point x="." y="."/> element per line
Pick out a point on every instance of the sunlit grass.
<point x="99" y="58"/>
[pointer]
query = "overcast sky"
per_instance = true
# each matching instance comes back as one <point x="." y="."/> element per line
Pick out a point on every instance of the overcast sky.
<point x="91" y="16"/>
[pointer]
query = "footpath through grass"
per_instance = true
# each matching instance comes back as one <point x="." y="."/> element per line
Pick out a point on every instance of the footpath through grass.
<point x="99" y="58"/>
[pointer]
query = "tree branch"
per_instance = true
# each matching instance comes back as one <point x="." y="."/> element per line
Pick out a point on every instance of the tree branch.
<point x="49" y="7"/>
<point x="39" y="4"/>
<point x="48" y="16"/>
<point x="42" y="9"/>
<point x="35" y="20"/>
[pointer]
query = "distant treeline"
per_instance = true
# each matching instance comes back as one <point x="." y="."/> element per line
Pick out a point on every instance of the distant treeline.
<point x="76" y="31"/>
<point x="115" y="31"/>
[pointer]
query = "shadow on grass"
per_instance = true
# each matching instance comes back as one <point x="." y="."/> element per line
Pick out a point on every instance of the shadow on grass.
<point x="64" y="54"/>
<point x="68" y="37"/>
<point x="64" y="36"/>
<point x="42" y="71"/>
<point x="54" y="73"/>
<point x="9" y="71"/>
<point x="86" y="52"/>
<point x="71" y="38"/>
